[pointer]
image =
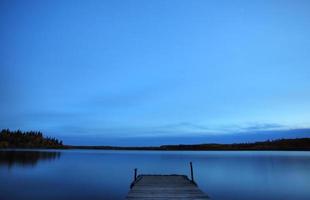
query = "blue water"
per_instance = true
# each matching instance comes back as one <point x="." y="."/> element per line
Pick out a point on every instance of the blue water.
<point x="97" y="174"/>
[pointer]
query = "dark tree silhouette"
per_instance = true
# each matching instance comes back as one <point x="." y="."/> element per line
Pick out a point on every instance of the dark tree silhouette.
<point x="29" y="139"/>
<point x="280" y="144"/>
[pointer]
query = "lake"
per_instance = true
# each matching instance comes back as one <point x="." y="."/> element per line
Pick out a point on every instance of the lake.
<point x="101" y="174"/>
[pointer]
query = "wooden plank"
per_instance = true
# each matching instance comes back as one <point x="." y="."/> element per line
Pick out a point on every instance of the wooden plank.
<point x="158" y="187"/>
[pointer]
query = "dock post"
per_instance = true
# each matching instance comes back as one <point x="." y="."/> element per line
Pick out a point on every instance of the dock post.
<point x="135" y="177"/>
<point x="192" y="173"/>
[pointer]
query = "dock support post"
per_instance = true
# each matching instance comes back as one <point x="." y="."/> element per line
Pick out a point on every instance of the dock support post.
<point x="135" y="177"/>
<point x="192" y="173"/>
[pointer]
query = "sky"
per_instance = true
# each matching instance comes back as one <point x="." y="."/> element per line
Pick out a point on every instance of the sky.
<point x="156" y="72"/>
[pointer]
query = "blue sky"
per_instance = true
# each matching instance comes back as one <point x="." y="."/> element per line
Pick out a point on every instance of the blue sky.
<point x="150" y="72"/>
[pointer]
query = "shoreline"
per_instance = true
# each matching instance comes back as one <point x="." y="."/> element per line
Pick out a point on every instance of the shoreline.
<point x="298" y="144"/>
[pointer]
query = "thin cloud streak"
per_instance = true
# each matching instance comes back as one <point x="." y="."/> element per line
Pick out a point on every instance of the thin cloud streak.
<point x="173" y="130"/>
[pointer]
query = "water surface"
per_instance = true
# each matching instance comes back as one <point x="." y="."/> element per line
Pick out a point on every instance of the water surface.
<point x="98" y="174"/>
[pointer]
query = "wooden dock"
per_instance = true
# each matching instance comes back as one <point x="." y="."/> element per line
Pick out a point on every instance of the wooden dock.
<point x="158" y="187"/>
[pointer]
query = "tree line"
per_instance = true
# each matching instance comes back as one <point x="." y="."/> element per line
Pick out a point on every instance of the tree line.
<point x="278" y="144"/>
<point x="28" y="139"/>
<point x="297" y="144"/>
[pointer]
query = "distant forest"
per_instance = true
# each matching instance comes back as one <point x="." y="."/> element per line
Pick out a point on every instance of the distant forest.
<point x="280" y="144"/>
<point x="34" y="139"/>
<point x="298" y="144"/>
<point x="29" y="139"/>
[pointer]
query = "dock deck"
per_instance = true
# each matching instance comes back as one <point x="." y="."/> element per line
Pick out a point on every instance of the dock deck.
<point x="158" y="187"/>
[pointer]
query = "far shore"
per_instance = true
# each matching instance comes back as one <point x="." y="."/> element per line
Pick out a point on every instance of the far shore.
<point x="298" y="144"/>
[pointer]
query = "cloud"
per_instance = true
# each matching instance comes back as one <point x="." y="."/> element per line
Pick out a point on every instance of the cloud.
<point x="168" y="130"/>
<point x="185" y="126"/>
<point x="263" y="126"/>
<point x="185" y="139"/>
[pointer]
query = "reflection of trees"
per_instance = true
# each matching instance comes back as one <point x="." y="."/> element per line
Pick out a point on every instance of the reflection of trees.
<point x="26" y="158"/>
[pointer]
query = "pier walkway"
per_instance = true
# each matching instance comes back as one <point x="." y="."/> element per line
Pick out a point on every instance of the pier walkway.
<point x="159" y="187"/>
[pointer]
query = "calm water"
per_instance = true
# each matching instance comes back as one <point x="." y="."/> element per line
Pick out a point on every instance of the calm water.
<point x="95" y="174"/>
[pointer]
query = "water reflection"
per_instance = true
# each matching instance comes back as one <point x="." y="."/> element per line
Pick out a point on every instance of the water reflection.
<point x="97" y="175"/>
<point x="26" y="158"/>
